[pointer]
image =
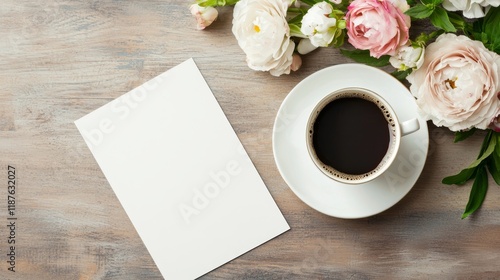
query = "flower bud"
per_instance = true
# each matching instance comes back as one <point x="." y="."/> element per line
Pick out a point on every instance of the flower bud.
<point x="296" y="62"/>
<point x="204" y="15"/>
<point x="407" y="57"/>
<point x="305" y="46"/>
<point x="341" y="24"/>
<point x="318" y="25"/>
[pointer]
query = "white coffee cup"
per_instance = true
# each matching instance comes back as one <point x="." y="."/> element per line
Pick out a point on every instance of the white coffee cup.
<point x="342" y="128"/>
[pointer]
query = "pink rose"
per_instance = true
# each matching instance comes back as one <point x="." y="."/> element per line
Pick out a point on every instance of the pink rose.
<point x="458" y="85"/>
<point x="377" y="25"/>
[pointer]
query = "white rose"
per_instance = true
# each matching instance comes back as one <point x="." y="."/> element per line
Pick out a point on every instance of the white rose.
<point x="262" y="32"/>
<point x="458" y="84"/>
<point x="317" y="25"/>
<point x="407" y="57"/>
<point x="470" y="8"/>
<point x="204" y="15"/>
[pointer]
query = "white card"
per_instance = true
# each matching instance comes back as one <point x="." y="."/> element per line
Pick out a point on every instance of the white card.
<point x="181" y="174"/>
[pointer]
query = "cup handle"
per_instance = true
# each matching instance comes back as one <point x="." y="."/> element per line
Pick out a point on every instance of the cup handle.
<point x="409" y="126"/>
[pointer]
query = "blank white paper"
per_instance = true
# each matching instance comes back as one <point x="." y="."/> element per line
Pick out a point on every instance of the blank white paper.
<point x="181" y="174"/>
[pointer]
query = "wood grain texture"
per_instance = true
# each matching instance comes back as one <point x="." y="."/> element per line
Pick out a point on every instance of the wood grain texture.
<point x="61" y="59"/>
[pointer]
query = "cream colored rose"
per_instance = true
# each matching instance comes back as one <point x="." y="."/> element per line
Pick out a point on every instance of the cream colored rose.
<point x="458" y="85"/>
<point x="263" y="34"/>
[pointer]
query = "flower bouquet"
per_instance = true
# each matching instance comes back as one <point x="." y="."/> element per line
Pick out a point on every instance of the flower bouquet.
<point x="453" y="69"/>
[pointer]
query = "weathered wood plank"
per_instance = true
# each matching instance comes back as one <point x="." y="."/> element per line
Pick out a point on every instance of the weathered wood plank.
<point x="61" y="59"/>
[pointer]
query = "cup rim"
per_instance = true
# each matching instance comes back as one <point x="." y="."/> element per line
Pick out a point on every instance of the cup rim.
<point x="361" y="178"/>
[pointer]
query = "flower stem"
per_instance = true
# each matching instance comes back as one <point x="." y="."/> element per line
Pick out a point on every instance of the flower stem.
<point x="435" y="33"/>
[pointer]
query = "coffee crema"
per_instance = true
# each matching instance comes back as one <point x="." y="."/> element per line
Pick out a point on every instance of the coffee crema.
<point x="352" y="135"/>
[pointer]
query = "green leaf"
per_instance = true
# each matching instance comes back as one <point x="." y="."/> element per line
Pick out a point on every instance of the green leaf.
<point x="363" y="56"/>
<point x="494" y="167"/>
<point x="494" y="159"/>
<point x="459" y="22"/>
<point x="489" y="150"/>
<point x="480" y="36"/>
<point x="477" y="193"/>
<point x="295" y="31"/>
<point x="486" y="142"/>
<point x="487" y="30"/>
<point x="340" y="6"/>
<point x="296" y="19"/>
<point x="460" y="178"/>
<point x="216" y="3"/>
<point x="420" y="11"/>
<point x="440" y="19"/>
<point x="401" y="75"/>
<point x="491" y="26"/>
<point x="309" y="2"/>
<point x="462" y="135"/>
<point x="497" y="148"/>
<point x="432" y="2"/>
<point x="338" y="38"/>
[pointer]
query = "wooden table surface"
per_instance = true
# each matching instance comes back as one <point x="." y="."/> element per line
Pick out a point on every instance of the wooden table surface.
<point x="61" y="59"/>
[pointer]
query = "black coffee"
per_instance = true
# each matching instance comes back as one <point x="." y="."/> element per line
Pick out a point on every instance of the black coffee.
<point x="352" y="135"/>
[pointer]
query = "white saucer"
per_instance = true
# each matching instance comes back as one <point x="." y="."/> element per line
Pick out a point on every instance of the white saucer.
<point x="308" y="182"/>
